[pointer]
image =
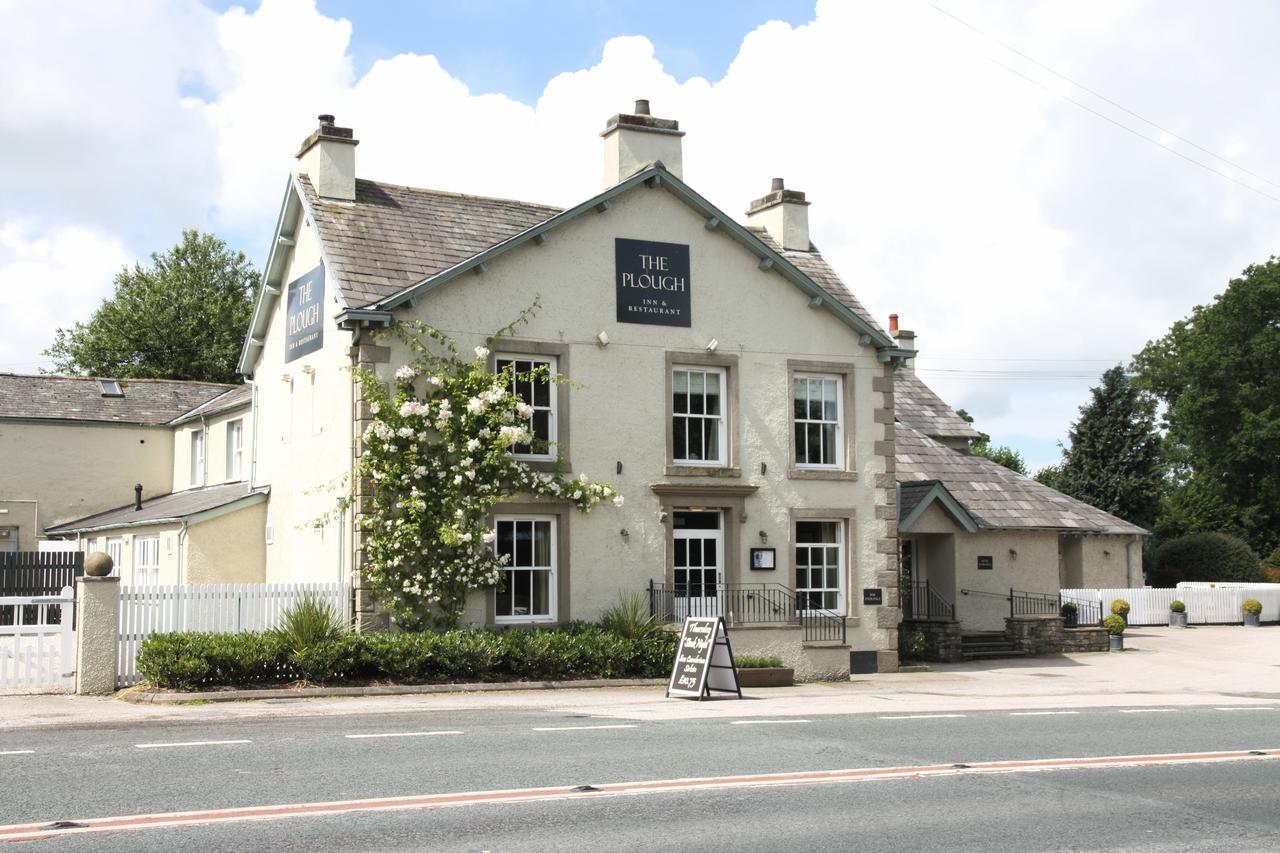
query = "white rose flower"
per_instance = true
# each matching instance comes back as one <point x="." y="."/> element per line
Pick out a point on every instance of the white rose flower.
<point x="473" y="444"/>
<point x="482" y="352"/>
<point x="617" y="501"/>
<point x="406" y="372"/>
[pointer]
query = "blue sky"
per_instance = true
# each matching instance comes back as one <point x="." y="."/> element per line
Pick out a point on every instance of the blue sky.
<point x="1032" y="231"/>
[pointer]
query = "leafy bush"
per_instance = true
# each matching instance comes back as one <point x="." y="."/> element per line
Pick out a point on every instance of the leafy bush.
<point x="308" y="622"/>
<point x="1114" y="624"/>
<point x="1069" y="607"/>
<point x="1271" y="567"/>
<point x="757" y="662"/>
<point x="1177" y="607"/>
<point x="1120" y="607"/>
<point x="1252" y="606"/>
<point x="630" y="617"/>
<point x="191" y="661"/>
<point x="1206" y="557"/>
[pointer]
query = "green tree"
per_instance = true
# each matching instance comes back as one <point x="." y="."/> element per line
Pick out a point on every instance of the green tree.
<point x="1218" y="373"/>
<point x="1003" y="454"/>
<point x="1114" y="459"/>
<point x="182" y="317"/>
<point x="1053" y="477"/>
<point x="1205" y="557"/>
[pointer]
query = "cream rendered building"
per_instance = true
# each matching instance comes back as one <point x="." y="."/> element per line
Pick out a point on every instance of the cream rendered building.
<point x="723" y="379"/>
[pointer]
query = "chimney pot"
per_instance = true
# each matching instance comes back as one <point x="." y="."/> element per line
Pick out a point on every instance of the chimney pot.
<point x="893" y="324"/>
<point x="642" y="106"/>
<point x="326" y="120"/>
<point x="776" y="186"/>
<point x="137" y="497"/>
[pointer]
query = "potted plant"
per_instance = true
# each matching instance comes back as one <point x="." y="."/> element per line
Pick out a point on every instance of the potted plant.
<point x="1070" y="615"/>
<point x="1252" y="609"/>
<point x="1120" y="608"/>
<point x="768" y="671"/>
<point x="1177" y="614"/>
<point x="1115" y="626"/>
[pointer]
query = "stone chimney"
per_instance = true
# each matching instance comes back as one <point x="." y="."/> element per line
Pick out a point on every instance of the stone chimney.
<point x="328" y="158"/>
<point x="633" y="141"/>
<point x="784" y="215"/>
<point x="906" y="340"/>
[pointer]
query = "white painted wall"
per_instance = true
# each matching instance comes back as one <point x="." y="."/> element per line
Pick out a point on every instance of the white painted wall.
<point x="215" y="448"/>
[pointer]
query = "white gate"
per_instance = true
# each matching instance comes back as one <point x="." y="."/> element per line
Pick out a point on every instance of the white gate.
<point x="37" y="653"/>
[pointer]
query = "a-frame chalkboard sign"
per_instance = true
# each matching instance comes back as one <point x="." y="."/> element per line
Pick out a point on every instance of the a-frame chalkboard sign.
<point x="704" y="661"/>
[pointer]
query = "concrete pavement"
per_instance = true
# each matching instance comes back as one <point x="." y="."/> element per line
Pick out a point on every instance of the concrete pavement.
<point x="1211" y="665"/>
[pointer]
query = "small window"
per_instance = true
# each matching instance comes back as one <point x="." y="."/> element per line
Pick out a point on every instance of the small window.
<point x="115" y="550"/>
<point x="235" y="450"/>
<point x="528" y="546"/>
<point x="819" y="565"/>
<point x="146" y="560"/>
<point x="817" y="412"/>
<point x="110" y="388"/>
<point x="197" y="458"/>
<point x="699" y="431"/>
<point x="531" y="382"/>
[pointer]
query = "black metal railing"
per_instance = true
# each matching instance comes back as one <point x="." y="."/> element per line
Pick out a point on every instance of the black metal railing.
<point x="926" y="604"/>
<point x="1023" y="603"/>
<point x="745" y="604"/>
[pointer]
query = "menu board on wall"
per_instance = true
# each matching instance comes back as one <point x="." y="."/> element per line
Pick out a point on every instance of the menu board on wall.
<point x="652" y="283"/>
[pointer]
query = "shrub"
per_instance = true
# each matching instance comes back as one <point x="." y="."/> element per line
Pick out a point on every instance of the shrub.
<point x="1206" y="557"/>
<point x="1177" y="607"/>
<point x="308" y="622"/>
<point x="1120" y="607"/>
<point x="192" y="661"/>
<point x="630" y="617"/>
<point x="1252" y="606"/>
<point x="756" y="662"/>
<point x="1069" y="607"/>
<point x="1114" y="624"/>
<point x="1271" y="567"/>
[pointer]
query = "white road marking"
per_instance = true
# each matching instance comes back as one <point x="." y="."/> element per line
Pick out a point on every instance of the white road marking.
<point x="1147" y="710"/>
<point x="580" y="728"/>
<point x="17" y="752"/>
<point x="766" y="722"/>
<point x="401" y="734"/>
<point x="1248" y="708"/>
<point x="1039" y="713"/>
<point x="189" y="743"/>
<point x="924" y="717"/>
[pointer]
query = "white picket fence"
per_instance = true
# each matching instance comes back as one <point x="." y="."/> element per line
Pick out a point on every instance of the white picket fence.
<point x="37" y="656"/>
<point x="217" y="608"/>
<point x="1206" y="605"/>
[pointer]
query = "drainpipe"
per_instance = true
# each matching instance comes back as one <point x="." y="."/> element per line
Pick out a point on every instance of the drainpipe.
<point x="253" y="441"/>
<point x="182" y="536"/>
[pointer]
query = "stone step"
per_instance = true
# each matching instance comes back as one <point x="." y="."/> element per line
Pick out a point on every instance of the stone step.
<point x="992" y="654"/>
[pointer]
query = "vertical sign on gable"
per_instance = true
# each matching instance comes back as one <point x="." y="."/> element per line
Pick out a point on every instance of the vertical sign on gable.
<point x="652" y="282"/>
<point x="304" y="315"/>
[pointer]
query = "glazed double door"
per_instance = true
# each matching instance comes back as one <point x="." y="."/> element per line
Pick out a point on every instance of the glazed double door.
<point x="698" y="547"/>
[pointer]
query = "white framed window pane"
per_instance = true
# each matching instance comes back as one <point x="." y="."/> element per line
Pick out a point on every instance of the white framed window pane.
<point x="819" y="558"/>
<point x="531" y="382"/>
<point x="698" y="421"/>
<point x="817" y="416"/>
<point x="528" y="589"/>
<point x="197" y="457"/>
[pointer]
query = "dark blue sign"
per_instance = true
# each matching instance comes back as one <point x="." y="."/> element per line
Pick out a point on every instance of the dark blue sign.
<point x="653" y="283"/>
<point x="304" y="315"/>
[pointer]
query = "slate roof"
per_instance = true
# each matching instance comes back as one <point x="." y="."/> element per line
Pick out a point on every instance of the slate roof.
<point x="148" y="402"/>
<point x="910" y="494"/>
<point x="918" y="407"/>
<point x="239" y="395"/>
<point x="815" y="266"/>
<point x="171" y="507"/>
<point x="392" y="236"/>
<point x="995" y="496"/>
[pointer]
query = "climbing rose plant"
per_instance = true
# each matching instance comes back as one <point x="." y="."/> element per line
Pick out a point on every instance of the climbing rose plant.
<point x="436" y="460"/>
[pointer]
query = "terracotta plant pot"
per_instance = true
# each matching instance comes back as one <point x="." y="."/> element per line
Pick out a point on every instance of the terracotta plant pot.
<point x="766" y="676"/>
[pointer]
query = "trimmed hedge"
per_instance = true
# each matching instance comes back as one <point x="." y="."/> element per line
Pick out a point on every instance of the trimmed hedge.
<point x="1206" y="557"/>
<point x="192" y="661"/>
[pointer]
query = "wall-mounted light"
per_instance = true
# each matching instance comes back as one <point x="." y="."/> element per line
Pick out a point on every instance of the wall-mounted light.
<point x="308" y="369"/>
<point x="625" y="533"/>
<point x="602" y="340"/>
<point x="764" y="538"/>
<point x="1013" y="553"/>
<point x="712" y="344"/>
<point x="285" y="377"/>
<point x="619" y="466"/>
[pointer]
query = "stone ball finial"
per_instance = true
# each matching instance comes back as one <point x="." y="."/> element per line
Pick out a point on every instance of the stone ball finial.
<point x="98" y="564"/>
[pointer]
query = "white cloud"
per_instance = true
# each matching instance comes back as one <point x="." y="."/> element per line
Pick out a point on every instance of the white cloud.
<point x="1003" y="223"/>
<point x="49" y="280"/>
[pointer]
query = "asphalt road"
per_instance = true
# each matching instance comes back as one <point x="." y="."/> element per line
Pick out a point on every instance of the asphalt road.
<point x="82" y="773"/>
